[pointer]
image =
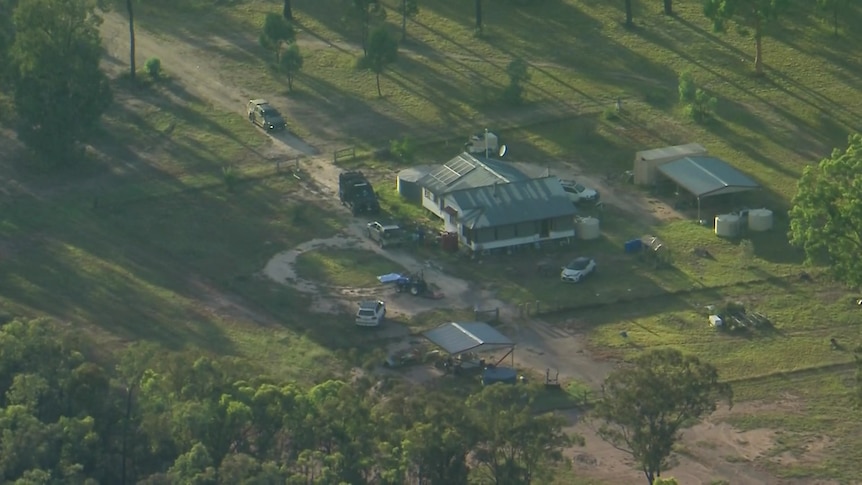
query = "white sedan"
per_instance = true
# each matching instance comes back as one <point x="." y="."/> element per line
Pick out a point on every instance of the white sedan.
<point x="577" y="270"/>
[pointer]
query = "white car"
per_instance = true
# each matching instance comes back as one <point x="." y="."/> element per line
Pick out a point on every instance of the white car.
<point x="579" y="193"/>
<point x="578" y="269"/>
<point x="371" y="313"/>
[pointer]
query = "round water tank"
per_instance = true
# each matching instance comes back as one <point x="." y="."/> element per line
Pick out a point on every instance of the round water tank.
<point x="406" y="182"/>
<point x="727" y="225"/>
<point x="588" y="228"/>
<point x="760" y="220"/>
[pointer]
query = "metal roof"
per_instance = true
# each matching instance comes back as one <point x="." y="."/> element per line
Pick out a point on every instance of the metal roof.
<point x="457" y="338"/>
<point x="672" y="152"/>
<point x="512" y="203"/>
<point x="707" y="176"/>
<point x="466" y="171"/>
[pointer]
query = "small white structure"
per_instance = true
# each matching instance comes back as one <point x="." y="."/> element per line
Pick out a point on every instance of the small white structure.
<point x="760" y="220"/>
<point x="727" y="225"/>
<point x="587" y="228"/>
<point x="715" y="321"/>
<point x="647" y="161"/>
<point x="485" y="143"/>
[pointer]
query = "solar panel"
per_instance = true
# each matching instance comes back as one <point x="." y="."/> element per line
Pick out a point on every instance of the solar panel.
<point x="453" y="170"/>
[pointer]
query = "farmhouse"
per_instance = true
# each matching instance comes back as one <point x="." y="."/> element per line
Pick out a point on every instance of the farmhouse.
<point x="503" y="215"/>
<point x="463" y="172"/>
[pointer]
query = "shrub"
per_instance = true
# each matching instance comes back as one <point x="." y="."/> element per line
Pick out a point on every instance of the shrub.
<point x="687" y="88"/>
<point x="230" y="178"/>
<point x="746" y="253"/>
<point x="403" y="149"/>
<point x="518" y="71"/>
<point x="153" y="67"/>
<point x="699" y="105"/>
<point x="610" y="114"/>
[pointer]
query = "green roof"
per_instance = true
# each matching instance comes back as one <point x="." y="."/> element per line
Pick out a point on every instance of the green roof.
<point x="707" y="176"/>
<point x="512" y="203"/>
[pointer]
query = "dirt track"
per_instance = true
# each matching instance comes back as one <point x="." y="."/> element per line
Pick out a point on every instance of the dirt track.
<point x="540" y="345"/>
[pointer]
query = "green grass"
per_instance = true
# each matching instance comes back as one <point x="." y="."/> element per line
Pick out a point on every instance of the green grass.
<point x="357" y="268"/>
<point x="123" y="271"/>
<point x="136" y="266"/>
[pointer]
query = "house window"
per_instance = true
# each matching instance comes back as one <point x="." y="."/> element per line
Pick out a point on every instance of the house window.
<point x="427" y="194"/>
<point x="516" y="229"/>
<point x="545" y="227"/>
<point x="496" y="237"/>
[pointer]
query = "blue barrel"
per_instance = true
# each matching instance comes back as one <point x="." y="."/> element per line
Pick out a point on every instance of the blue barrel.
<point x="633" y="246"/>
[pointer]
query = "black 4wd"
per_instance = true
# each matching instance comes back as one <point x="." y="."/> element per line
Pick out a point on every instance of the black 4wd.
<point x="357" y="193"/>
<point x="263" y="114"/>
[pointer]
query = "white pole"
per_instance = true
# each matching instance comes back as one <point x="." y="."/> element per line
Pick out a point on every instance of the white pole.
<point x="486" y="142"/>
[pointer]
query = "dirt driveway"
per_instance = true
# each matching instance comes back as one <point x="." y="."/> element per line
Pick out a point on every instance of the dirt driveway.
<point x="540" y="345"/>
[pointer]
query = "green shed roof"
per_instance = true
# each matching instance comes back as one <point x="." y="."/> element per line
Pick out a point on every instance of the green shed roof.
<point x="707" y="176"/>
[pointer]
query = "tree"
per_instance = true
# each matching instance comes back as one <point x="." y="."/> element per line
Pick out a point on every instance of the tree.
<point x="644" y="406"/>
<point x="131" y="10"/>
<point x="7" y="33"/>
<point x="857" y="354"/>
<point x="382" y="51"/>
<point x="479" y="22"/>
<point x="60" y="91"/>
<point x="436" y="440"/>
<point x="629" y="14"/>
<point x="754" y="14"/>
<point x="834" y="7"/>
<point x="287" y="11"/>
<point x="364" y="11"/>
<point x="826" y="217"/>
<point x="515" y="445"/>
<point x="409" y="8"/>
<point x="276" y="32"/>
<point x="668" y="7"/>
<point x="291" y="63"/>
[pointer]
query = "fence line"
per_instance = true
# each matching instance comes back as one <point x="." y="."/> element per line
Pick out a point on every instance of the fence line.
<point x="349" y="152"/>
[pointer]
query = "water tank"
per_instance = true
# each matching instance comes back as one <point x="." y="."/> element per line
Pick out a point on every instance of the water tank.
<point x="406" y="182"/>
<point x="588" y="228"/>
<point x="727" y="225"/>
<point x="760" y="220"/>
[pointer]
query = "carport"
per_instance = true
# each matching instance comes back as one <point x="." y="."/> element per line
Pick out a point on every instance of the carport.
<point x="458" y="338"/>
<point x="707" y="177"/>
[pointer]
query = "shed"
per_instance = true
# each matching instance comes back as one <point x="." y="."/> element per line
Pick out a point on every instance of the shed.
<point x="406" y="182"/>
<point x="458" y="338"/>
<point x="707" y="177"/>
<point x="647" y="161"/>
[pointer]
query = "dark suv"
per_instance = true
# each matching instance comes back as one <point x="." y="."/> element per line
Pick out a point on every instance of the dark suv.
<point x="261" y="113"/>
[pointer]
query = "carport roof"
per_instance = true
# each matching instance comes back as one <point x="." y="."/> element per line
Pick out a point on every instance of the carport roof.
<point x="707" y="176"/>
<point x="457" y="338"/>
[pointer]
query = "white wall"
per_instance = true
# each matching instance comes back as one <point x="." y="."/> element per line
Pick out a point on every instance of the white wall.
<point x="517" y="241"/>
<point x="431" y="205"/>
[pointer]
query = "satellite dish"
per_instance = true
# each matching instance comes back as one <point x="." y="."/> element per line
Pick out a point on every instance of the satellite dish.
<point x="502" y="151"/>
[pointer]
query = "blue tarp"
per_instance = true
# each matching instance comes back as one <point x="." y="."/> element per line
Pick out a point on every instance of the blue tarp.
<point x="390" y="278"/>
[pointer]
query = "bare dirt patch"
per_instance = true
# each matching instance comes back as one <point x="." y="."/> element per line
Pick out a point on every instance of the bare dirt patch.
<point x="709" y="451"/>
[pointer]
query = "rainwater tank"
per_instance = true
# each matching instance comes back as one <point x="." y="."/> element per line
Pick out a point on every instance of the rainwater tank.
<point x="406" y="182"/>
<point x="759" y="220"/>
<point x="727" y="225"/>
<point x="587" y="228"/>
